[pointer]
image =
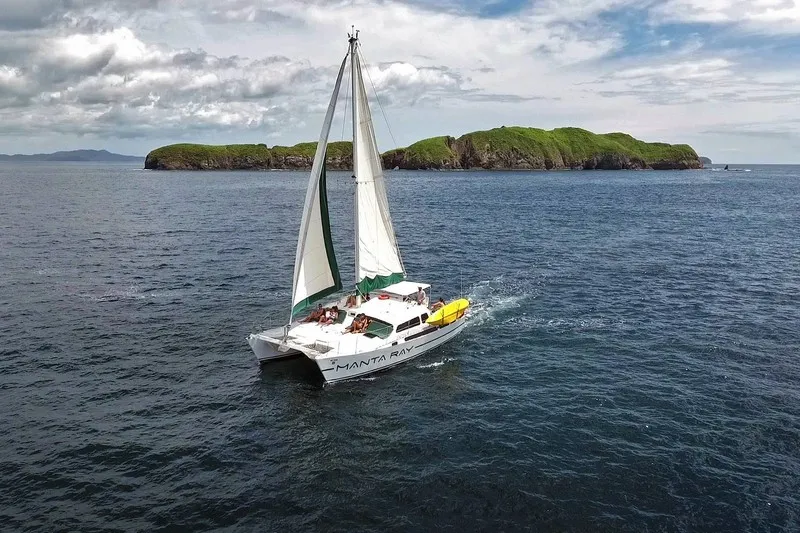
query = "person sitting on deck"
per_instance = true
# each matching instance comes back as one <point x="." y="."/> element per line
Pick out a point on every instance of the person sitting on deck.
<point x="316" y="314"/>
<point x="438" y="305"/>
<point x="351" y="301"/>
<point x="330" y="316"/>
<point x="358" y="324"/>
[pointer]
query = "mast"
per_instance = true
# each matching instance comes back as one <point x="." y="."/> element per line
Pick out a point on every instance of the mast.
<point x="353" y="40"/>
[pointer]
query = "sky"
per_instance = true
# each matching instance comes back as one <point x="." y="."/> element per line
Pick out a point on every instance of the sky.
<point x="131" y="75"/>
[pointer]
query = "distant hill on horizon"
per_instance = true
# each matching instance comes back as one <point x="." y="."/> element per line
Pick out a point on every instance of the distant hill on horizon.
<point x="73" y="155"/>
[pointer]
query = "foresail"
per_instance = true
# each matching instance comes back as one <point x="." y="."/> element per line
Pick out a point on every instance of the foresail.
<point x="378" y="262"/>
<point x="316" y="273"/>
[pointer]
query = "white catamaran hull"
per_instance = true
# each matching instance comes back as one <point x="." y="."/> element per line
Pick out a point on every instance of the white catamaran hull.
<point x="267" y="349"/>
<point x="340" y="367"/>
<point x="337" y="367"/>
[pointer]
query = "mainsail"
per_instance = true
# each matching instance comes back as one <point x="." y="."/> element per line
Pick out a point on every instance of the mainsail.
<point x="378" y="262"/>
<point x="316" y="273"/>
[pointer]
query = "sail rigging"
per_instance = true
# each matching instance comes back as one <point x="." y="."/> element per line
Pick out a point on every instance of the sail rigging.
<point x="378" y="261"/>
<point x="316" y="273"/>
<point x="377" y="257"/>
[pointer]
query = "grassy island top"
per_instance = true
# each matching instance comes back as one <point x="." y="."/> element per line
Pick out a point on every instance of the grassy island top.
<point x="512" y="147"/>
<point x="566" y="144"/>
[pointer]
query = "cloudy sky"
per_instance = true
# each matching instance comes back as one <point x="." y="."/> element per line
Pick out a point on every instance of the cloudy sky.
<point x="131" y="75"/>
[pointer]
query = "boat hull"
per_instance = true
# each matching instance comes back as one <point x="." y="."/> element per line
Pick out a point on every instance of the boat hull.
<point x="337" y="367"/>
<point x="266" y="349"/>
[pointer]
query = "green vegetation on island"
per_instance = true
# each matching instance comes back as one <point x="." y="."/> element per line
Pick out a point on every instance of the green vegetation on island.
<point x="245" y="156"/>
<point x="532" y="148"/>
<point x="501" y="148"/>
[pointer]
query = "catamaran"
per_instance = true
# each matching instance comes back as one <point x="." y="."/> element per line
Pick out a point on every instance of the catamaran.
<point x="392" y="326"/>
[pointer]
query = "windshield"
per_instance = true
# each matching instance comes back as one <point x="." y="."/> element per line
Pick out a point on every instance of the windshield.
<point x="378" y="328"/>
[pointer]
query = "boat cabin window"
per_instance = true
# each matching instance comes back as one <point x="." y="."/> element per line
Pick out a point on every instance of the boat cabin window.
<point x="424" y="317"/>
<point x="378" y="328"/>
<point x="408" y="324"/>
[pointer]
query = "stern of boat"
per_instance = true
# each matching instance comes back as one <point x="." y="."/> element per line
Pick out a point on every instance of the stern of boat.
<point x="268" y="347"/>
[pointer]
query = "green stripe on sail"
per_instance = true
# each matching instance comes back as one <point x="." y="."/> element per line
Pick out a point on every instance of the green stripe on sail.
<point x="378" y="282"/>
<point x="326" y="233"/>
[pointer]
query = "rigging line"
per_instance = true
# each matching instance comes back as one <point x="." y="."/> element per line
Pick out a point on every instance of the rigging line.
<point x="366" y="65"/>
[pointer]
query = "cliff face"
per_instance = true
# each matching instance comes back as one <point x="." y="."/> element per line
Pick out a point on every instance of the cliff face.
<point x="505" y="148"/>
<point x="535" y="149"/>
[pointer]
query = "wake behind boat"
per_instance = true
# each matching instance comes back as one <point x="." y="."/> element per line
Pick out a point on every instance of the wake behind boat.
<point x="358" y="335"/>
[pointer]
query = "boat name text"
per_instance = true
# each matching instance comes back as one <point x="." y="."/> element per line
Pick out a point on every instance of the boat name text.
<point x="373" y="360"/>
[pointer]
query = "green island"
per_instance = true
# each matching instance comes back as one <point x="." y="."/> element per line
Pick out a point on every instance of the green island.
<point x="503" y="148"/>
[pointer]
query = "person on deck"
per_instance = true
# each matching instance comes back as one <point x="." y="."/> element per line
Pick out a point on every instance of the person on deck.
<point x="437" y="305"/>
<point x="330" y="316"/>
<point x="316" y="314"/>
<point x="351" y="301"/>
<point x="358" y="324"/>
<point x="421" y="296"/>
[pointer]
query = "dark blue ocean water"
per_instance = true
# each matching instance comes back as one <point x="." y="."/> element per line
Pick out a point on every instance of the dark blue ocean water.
<point x="630" y="363"/>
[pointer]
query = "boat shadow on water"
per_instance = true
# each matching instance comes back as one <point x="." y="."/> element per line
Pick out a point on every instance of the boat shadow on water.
<point x="292" y="368"/>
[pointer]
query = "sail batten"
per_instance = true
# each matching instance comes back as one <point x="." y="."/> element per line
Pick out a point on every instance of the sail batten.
<point x="316" y="272"/>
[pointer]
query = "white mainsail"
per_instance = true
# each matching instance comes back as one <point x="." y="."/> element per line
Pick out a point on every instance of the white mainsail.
<point x="316" y="273"/>
<point x="378" y="262"/>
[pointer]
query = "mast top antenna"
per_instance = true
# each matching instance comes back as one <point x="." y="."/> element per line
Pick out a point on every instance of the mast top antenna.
<point x="352" y="37"/>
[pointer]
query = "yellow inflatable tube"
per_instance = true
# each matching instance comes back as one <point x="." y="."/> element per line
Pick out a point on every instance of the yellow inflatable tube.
<point x="449" y="313"/>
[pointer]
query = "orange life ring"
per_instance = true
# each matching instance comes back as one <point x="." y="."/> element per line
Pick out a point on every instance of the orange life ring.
<point x="383" y="297"/>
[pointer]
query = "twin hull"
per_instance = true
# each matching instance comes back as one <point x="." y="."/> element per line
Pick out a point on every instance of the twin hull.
<point x="336" y="367"/>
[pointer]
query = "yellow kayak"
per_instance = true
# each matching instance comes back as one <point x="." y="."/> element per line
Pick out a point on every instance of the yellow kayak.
<point x="449" y="313"/>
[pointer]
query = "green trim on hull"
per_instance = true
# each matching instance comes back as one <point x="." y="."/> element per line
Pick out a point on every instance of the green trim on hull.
<point x="326" y="233"/>
<point x="378" y="282"/>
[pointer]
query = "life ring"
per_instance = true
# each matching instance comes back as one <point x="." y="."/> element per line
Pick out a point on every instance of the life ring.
<point x="383" y="297"/>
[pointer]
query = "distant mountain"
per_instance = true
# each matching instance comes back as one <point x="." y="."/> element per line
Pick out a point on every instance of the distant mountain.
<point x="73" y="155"/>
<point x="705" y="160"/>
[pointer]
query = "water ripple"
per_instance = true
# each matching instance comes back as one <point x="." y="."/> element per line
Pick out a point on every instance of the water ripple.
<point x="628" y="364"/>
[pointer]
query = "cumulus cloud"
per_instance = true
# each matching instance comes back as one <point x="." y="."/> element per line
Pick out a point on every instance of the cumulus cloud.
<point x="764" y="16"/>
<point x="96" y="79"/>
<point x="146" y="72"/>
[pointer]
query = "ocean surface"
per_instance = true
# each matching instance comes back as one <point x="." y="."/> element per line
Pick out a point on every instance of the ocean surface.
<point x="631" y="361"/>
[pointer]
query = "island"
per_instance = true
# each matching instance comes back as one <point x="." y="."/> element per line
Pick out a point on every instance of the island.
<point x="503" y="148"/>
<point x="705" y="161"/>
<point x="102" y="156"/>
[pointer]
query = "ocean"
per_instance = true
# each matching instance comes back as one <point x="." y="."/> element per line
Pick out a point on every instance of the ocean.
<point x="630" y="361"/>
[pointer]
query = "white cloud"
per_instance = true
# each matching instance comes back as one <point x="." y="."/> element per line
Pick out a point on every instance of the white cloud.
<point x="144" y="72"/>
<point x="763" y="16"/>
